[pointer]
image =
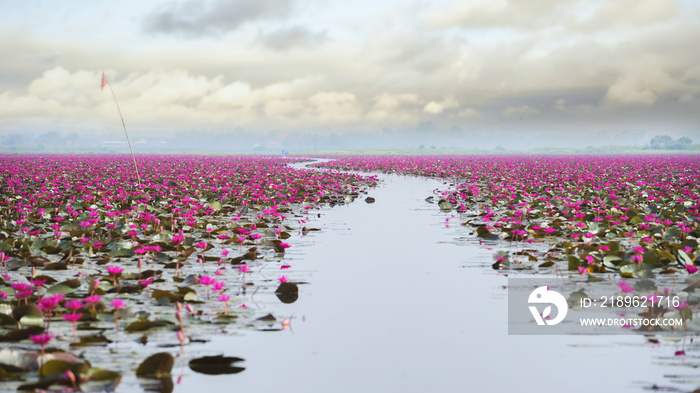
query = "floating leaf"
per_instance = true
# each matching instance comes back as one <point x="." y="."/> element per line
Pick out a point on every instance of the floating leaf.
<point x="632" y="270"/>
<point x="156" y="365"/>
<point x="62" y="289"/>
<point x="121" y="253"/>
<point x="287" y="292"/>
<point x="100" y="374"/>
<point x="139" y="326"/>
<point x="574" y="262"/>
<point x="216" y="365"/>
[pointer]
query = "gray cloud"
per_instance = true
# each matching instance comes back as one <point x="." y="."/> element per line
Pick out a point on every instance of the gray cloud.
<point x="196" y="18"/>
<point x="290" y="37"/>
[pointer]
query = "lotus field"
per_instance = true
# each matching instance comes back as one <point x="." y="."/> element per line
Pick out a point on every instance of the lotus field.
<point x="92" y="257"/>
<point x="635" y="216"/>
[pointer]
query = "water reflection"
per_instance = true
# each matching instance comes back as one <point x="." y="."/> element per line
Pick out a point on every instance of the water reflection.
<point x="159" y="385"/>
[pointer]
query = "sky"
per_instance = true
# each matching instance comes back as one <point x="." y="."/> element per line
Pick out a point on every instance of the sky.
<point x="578" y="71"/>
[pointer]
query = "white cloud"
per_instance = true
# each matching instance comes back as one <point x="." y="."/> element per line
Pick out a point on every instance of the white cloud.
<point x="437" y="108"/>
<point x="572" y="63"/>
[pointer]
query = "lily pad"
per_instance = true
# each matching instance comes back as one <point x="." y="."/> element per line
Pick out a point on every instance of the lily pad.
<point x="139" y="326"/>
<point x="216" y="365"/>
<point x="156" y="365"/>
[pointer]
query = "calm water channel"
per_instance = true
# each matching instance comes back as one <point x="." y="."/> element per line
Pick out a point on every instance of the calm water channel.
<point x="396" y="301"/>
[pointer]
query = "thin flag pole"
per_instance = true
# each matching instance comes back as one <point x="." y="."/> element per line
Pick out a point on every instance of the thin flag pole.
<point x="106" y="82"/>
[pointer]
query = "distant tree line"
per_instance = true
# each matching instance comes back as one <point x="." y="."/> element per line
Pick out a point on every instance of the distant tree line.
<point x="665" y="142"/>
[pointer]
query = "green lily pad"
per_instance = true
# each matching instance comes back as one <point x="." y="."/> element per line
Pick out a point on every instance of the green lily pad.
<point x="156" y="365"/>
<point x="62" y="289"/>
<point x="139" y="326"/>
<point x="121" y="253"/>
<point x="100" y="374"/>
<point x="641" y="271"/>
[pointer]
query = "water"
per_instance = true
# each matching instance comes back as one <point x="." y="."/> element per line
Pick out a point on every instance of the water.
<point x="398" y="302"/>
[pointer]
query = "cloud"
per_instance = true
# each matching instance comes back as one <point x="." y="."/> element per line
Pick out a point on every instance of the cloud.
<point x="468" y="113"/>
<point x="198" y="18"/>
<point x="437" y="108"/>
<point x="284" y="39"/>
<point x="548" y="14"/>
<point x="521" y="111"/>
<point x="568" y="67"/>
<point x="646" y="86"/>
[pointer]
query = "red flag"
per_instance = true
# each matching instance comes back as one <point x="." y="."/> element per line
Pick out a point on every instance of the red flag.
<point x="104" y="82"/>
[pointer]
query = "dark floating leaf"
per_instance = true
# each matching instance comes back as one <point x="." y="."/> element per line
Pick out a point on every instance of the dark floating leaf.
<point x="58" y="367"/>
<point x="57" y="266"/>
<point x="287" y="292"/>
<point x="21" y="334"/>
<point x="267" y="318"/>
<point x="42" y="384"/>
<point x="216" y="365"/>
<point x="156" y="365"/>
<point x="100" y="374"/>
<point x="7" y="320"/>
<point x="370" y="200"/>
<point x="39" y="261"/>
<point x="15" y="264"/>
<point x="49" y="280"/>
<point x="139" y="326"/>
<point x="86" y="341"/>
<point x="26" y="309"/>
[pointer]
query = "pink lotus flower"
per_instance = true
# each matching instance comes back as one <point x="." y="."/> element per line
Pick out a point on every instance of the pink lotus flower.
<point x="42" y="339"/>
<point x="93" y="299"/>
<point x="283" y="267"/>
<point x="72" y="317"/>
<point x="625" y="287"/>
<point x="244" y="268"/>
<point x="118" y="304"/>
<point x="206" y="280"/>
<point x="38" y="283"/>
<point x="285" y="245"/>
<point x="224" y="298"/>
<point x="73" y="304"/>
<point x="282" y="279"/>
<point x="114" y="270"/>
<point x="682" y="305"/>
